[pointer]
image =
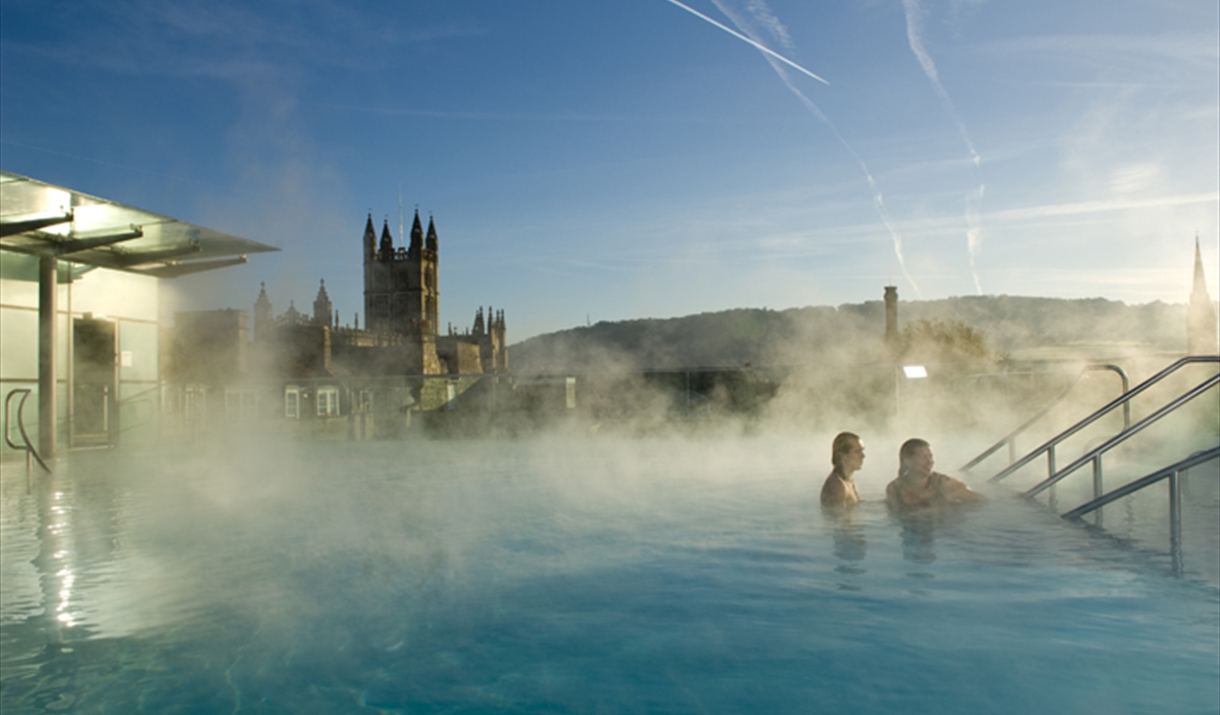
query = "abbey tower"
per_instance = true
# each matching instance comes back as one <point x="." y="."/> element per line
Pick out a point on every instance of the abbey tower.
<point x="401" y="295"/>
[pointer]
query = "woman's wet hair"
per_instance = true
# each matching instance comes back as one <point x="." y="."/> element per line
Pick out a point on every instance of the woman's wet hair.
<point x="844" y="441"/>
<point x="908" y="449"/>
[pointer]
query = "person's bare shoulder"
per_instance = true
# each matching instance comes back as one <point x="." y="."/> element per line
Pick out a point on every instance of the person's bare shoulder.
<point x="833" y="491"/>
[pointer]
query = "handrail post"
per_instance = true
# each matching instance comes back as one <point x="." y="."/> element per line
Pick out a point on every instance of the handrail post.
<point x="1050" y="461"/>
<point x="1097" y="488"/>
<point x="1176" y="475"/>
<point x="1175" y="520"/>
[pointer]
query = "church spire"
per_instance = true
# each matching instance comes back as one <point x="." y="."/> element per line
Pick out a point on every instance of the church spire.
<point x="1200" y="315"/>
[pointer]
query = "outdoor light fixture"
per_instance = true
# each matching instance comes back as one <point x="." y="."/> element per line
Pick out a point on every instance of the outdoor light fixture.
<point x="914" y="372"/>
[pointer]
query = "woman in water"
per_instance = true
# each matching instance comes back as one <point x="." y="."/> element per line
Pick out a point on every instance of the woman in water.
<point x="918" y="486"/>
<point x="847" y="456"/>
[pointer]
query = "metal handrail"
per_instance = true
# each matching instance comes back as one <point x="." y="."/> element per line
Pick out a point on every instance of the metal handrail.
<point x="1169" y="472"/>
<point x="1174" y="474"/>
<point x="28" y="447"/>
<point x="1010" y="438"/>
<point x="1094" y="455"/>
<point x="1048" y="447"/>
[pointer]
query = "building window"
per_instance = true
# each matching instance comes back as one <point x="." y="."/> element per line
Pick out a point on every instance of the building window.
<point x="292" y="402"/>
<point x="328" y="401"/>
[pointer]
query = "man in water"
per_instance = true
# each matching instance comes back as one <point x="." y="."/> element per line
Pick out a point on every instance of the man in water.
<point x="847" y="456"/>
<point x="917" y="486"/>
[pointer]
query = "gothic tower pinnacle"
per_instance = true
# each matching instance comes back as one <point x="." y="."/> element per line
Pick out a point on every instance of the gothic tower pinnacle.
<point x="322" y="306"/>
<point x="263" y="316"/>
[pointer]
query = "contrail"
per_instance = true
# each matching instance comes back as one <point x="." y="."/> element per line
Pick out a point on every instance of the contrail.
<point x="929" y="69"/>
<point x="761" y="47"/>
<point x="878" y="201"/>
<point x="974" y="229"/>
<point x="974" y="234"/>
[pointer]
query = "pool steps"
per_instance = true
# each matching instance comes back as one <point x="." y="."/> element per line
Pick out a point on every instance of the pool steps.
<point x="1172" y="472"/>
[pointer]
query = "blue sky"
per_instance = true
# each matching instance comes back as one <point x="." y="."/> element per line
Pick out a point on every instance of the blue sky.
<point x="615" y="160"/>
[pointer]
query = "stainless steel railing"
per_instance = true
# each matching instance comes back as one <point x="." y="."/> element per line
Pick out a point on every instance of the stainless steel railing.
<point x="1048" y="448"/>
<point x="1174" y="474"/>
<point x="1011" y="438"/>
<point x="27" y="446"/>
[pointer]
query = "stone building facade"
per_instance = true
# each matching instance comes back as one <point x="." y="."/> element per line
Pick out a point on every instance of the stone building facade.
<point x="401" y="308"/>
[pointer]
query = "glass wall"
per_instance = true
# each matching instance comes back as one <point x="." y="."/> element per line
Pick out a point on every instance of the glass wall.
<point x="121" y="371"/>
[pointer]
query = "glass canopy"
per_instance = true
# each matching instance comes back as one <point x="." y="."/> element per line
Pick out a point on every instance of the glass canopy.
<point x="44" y="220"/>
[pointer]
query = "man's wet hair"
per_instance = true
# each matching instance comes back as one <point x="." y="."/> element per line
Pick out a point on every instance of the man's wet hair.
<point x="908" y="448"/>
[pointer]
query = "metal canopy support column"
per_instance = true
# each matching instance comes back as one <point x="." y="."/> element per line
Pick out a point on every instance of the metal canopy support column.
<point x="47" y="293"/>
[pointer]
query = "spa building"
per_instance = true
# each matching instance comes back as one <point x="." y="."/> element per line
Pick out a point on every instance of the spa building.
<point x="80" y="299"/>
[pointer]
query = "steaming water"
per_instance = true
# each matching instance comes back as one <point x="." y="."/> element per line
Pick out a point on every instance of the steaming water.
<point x="580" y="576"/>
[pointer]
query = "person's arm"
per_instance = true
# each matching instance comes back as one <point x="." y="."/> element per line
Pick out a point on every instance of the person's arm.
<point x="955" y="490"/>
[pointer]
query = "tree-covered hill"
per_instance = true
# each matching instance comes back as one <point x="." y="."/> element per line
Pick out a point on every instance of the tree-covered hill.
<point x="1010" y="325"/>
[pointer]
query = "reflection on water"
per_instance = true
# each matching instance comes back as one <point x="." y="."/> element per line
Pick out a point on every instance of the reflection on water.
<point x="918" y="539"/>
<point x="648" y="577"/>
<point x="849" y="545"/>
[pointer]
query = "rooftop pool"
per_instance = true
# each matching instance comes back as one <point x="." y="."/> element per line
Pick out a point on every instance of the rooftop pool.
<point x="571" y="576"/>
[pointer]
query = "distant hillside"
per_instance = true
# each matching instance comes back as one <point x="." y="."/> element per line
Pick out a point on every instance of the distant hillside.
<point x="1016" y="326"/>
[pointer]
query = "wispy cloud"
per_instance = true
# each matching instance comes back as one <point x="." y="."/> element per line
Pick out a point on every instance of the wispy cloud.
<point x="1103" y="206"/>
<point x="768" y="21"/>
<point x="539" y="116"/>
<point x="760" y="13"/>
<point x="232" y="40"/>
<point x="914" y="16"/>
<point x="1023" y="215"/>
<point x="1197" y="48"/>
<point x="92" y="160"/>
<point x="974" y="228"/>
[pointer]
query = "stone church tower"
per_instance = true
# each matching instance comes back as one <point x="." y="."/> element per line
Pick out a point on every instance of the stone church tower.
<point x="401" y="295"/>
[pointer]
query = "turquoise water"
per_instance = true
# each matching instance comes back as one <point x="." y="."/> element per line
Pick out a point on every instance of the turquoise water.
<point x="569" y="576"/>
